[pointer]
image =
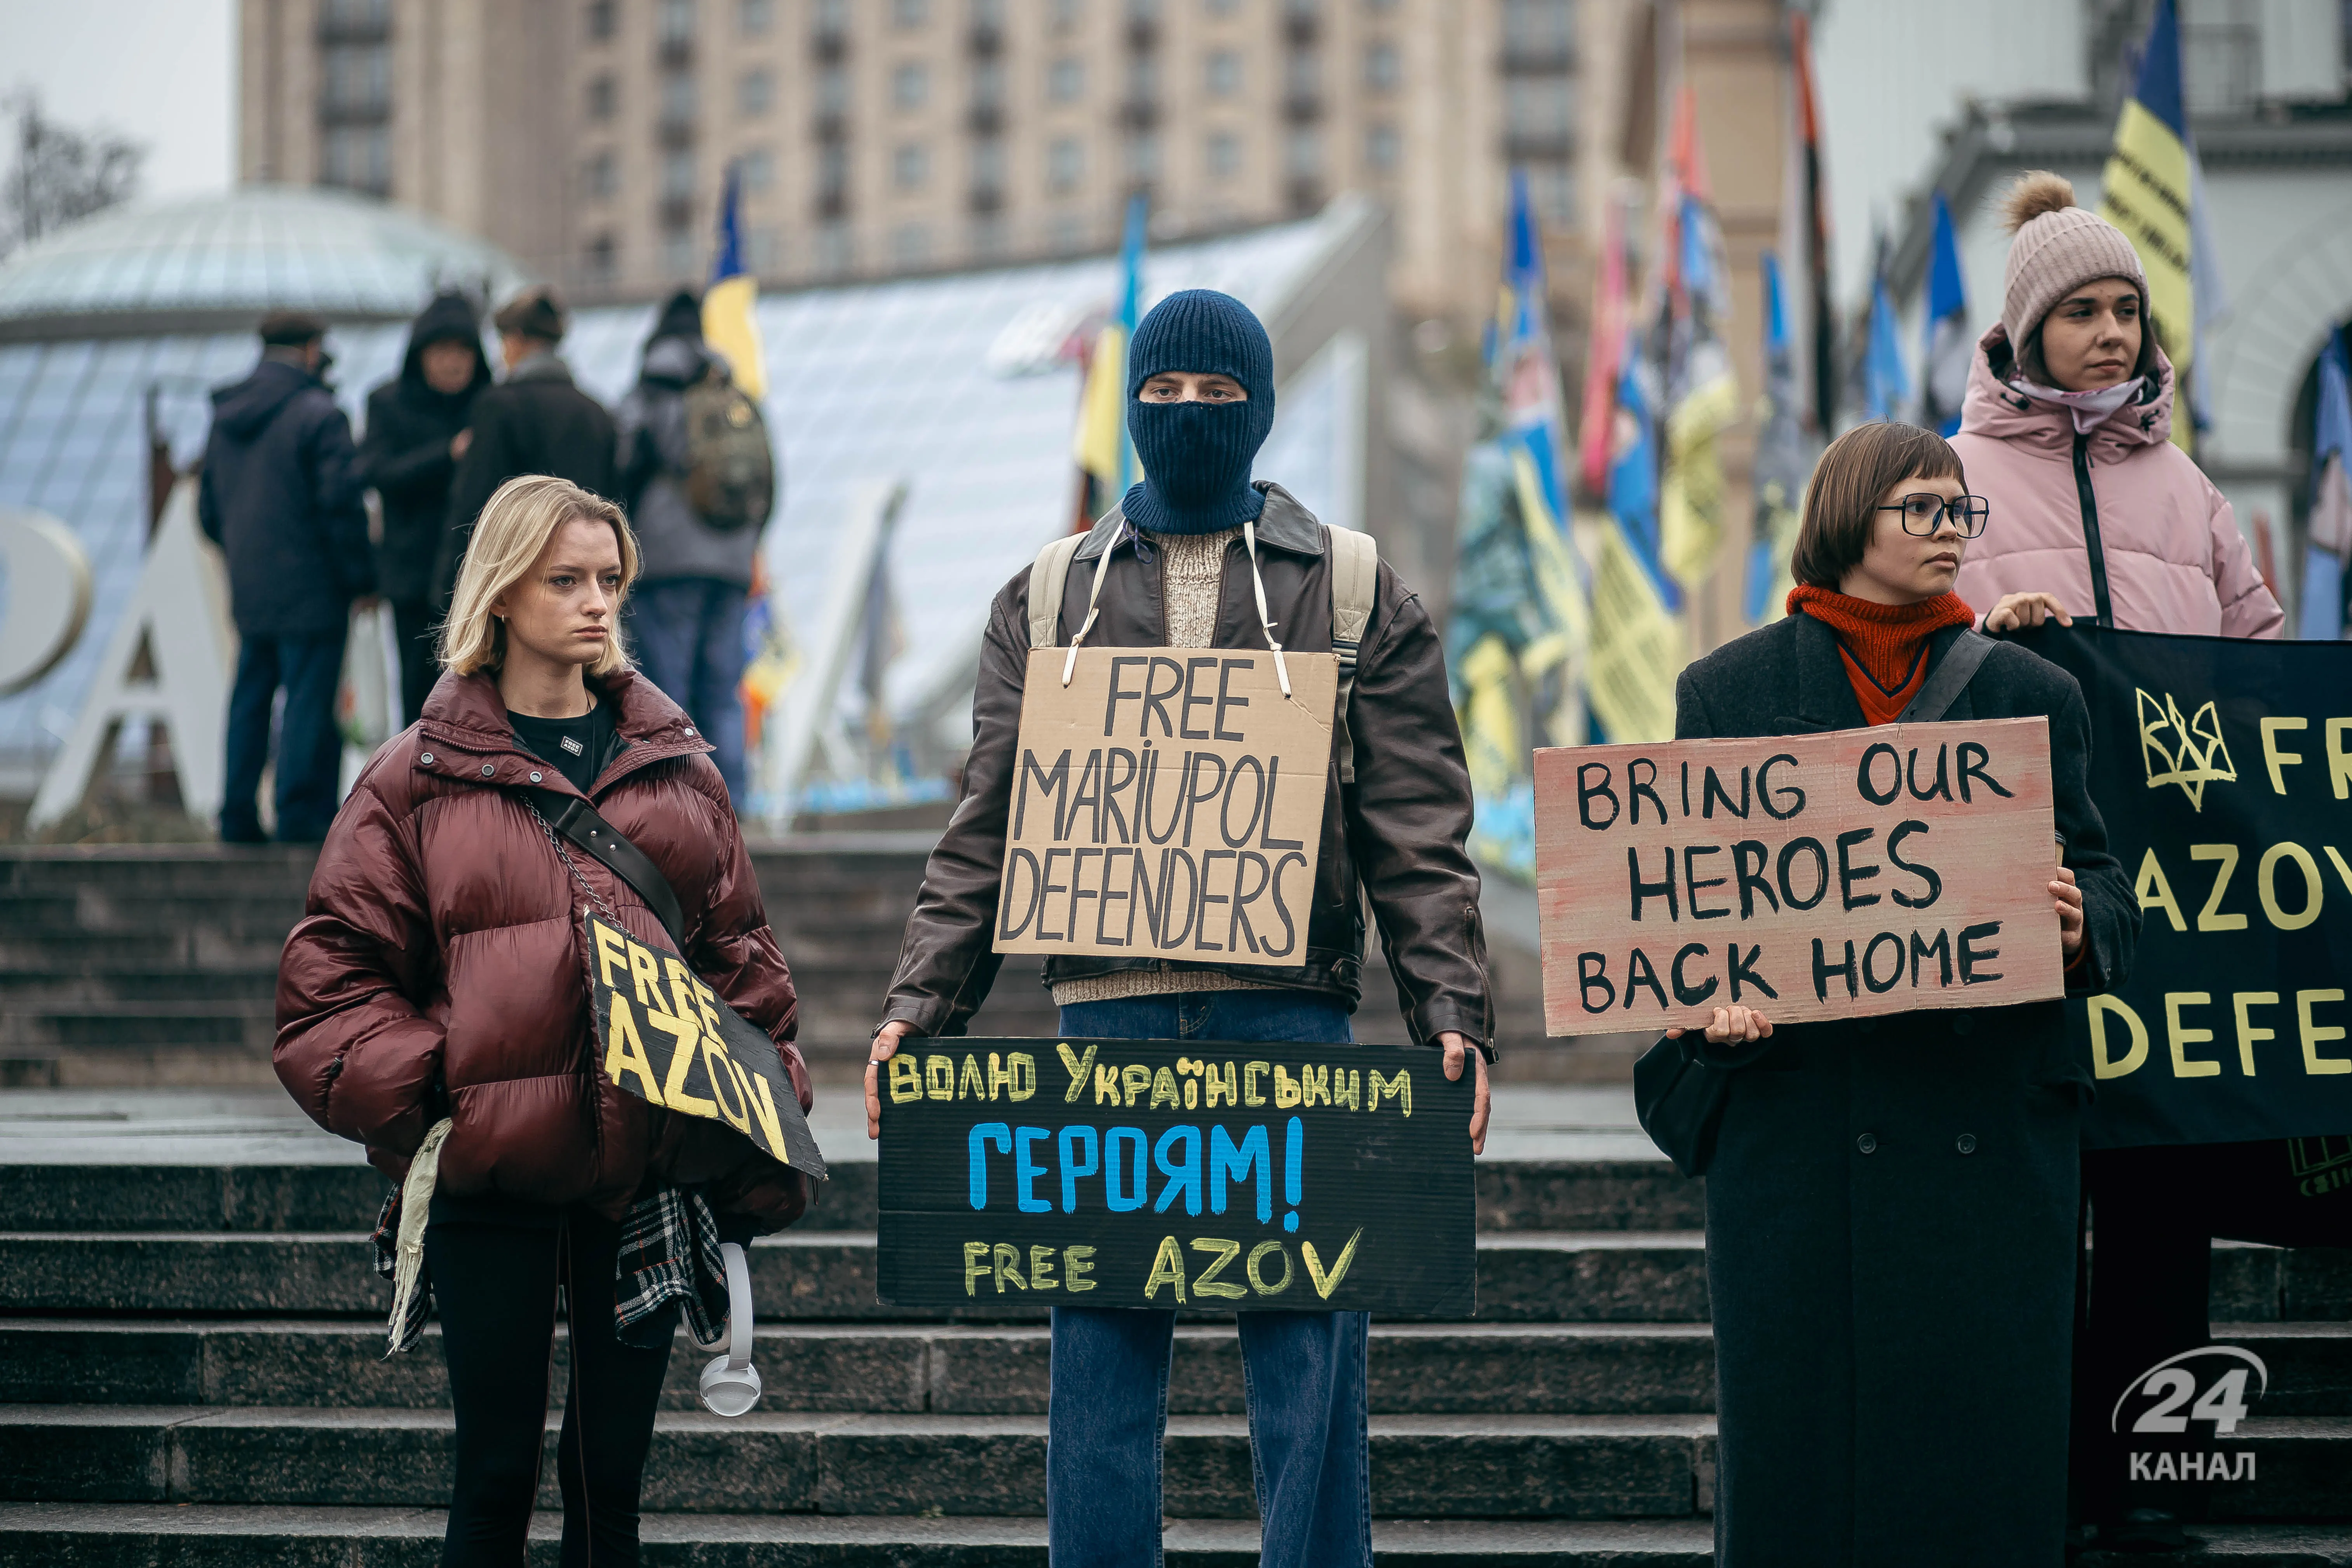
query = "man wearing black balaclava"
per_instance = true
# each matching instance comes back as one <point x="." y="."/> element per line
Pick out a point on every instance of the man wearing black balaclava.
<point x="1177" y="572"/>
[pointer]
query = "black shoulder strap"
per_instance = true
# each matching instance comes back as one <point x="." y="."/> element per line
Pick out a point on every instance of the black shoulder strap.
<point x="1950" y="678"/>
<point x="576" y="820"/>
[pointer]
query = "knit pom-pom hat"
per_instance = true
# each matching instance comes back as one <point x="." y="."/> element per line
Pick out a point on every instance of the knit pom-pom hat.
<point x="2058" y="247"/>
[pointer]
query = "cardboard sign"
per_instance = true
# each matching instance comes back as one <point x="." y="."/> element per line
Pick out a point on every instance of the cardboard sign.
<point x="670" y="1041"/>
<point x="1175" y="1174"/>
<point x="1167" y="803"/>
<point x="1813" y="877"/>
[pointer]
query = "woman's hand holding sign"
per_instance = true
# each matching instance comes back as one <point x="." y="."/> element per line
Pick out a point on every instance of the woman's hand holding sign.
<point x="2068" y="899"/>
<point x="1733" y="1027"/>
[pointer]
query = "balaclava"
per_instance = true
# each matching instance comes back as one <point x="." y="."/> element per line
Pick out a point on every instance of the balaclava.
<point x="1196" y="456"/>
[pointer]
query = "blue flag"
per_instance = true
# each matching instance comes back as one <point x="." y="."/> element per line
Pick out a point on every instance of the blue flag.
<point x="1944" y="374"/>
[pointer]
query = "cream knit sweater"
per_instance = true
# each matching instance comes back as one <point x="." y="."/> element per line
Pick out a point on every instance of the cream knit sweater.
<point x="1193" y="571"/>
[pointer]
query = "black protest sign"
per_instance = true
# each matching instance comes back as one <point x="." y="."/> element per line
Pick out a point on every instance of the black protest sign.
<point x="1167" y="803"/>
<point x="1172" y="1173"/>
<point x="2223" y="770"/>
<point x="669" y="1040"/>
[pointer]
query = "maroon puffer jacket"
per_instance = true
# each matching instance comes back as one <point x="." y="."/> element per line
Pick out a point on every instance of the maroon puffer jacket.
<point x="442" y="963"/>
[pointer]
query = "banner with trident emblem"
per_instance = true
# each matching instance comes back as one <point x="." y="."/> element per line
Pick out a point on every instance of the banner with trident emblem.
<point x="2223" y="769"/>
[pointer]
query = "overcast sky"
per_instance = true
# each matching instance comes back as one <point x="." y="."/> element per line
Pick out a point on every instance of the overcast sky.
<point x="159" y="71"/>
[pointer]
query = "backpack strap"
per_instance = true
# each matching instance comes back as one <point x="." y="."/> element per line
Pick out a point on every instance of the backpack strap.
<point x="1046" y="579"/>
<point x="1355" y="574"/>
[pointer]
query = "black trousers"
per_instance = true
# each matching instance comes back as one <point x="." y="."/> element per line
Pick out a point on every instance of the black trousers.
<point x="2154" y="1213"/>
<point x="412" y="624"/>
<point x="496" y="1286"/>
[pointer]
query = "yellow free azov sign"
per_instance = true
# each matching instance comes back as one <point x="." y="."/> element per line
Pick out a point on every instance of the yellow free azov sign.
<point x="670" y="1041"/>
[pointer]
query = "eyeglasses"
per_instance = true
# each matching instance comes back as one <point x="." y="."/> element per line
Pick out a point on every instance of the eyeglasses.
<point x="1923" y="513"/>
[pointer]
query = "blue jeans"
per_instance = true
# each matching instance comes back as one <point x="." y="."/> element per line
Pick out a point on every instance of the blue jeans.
<point x="309" y="747"/>
<point x="1304" y="1372"/>
<point x="688" y="634"/>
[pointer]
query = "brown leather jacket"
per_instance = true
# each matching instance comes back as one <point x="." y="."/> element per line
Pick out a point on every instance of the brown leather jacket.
<point x="1397" y="832"/>
<point x="440" y="967"/>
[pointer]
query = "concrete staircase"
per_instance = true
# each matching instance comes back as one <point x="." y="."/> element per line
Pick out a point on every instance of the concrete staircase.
<point x="158" y="964"/>
<point x="192" y="1373"/>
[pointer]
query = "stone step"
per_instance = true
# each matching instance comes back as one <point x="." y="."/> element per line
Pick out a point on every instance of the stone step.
<point x="130" y="916"/>
<point x="140" y="1535"/>
<point x="1535" y="1276"/>
<point x="1512" y="1195"/>
<point x="1469" y="1466"/>
<point x="1416" y="1368"/>
<point x="1449" y="1466"/>
<point x="1526" y="1276"/>
<point x="67" y="950"/>
<point x="65" y="987"/>
<point x="107" y="1023"/>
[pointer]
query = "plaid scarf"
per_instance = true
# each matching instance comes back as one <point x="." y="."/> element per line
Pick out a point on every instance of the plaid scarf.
<point x="669" y="1252"/>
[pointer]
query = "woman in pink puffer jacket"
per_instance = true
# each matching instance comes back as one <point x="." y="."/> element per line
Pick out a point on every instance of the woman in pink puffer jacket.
<point x="2095" y="510"/>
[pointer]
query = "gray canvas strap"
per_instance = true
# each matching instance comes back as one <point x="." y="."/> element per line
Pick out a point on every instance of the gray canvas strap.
<point x="1355" y="575"/>
<point x="1046" y="579"/>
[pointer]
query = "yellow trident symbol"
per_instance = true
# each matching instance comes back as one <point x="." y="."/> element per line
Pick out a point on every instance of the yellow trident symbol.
<point x="2190" y="760"/>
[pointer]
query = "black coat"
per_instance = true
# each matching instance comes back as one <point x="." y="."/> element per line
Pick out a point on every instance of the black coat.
<point x="405" y="452"/>
<point x="281" y="497"/>
<point x="1891" y="1208"/>
<point x="534" y="421"/>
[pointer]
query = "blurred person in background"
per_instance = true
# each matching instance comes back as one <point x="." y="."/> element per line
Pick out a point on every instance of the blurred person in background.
<point x="281" y="496"/>
<point x="698" y="480"/>
<point x="415" y="434"/>
<point x="536" y="421"/>
<point x="2066" y="430"/>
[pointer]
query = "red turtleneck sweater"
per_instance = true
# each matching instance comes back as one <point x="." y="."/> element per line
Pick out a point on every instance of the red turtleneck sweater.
<point x="1885" y="646"/>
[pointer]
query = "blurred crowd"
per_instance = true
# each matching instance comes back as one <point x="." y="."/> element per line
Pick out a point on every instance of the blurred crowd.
<point x="284" y="495"/>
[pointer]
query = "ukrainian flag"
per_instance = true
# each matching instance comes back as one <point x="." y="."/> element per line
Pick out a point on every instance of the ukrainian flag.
<point x="731" y="319"/>
<point x="2148" y="191"/>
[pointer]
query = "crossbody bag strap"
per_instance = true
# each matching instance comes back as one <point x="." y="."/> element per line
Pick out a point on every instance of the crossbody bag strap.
<point x="1961" y="662"/>
<point x="577" y="821"/>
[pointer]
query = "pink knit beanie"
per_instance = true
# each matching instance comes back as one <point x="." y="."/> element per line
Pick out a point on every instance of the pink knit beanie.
<point x="2058" y="248"/>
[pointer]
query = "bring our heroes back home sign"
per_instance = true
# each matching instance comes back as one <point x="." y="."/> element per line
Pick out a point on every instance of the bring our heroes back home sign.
<point x="1812" y="877"/>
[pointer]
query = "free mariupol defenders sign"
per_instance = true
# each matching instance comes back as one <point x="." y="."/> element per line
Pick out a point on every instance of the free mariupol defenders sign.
<point x="1167" y="803"/>
<point x="1826" y="876"/>
<point x="667" y="1039"/>
<point x="1025" y="1174"/>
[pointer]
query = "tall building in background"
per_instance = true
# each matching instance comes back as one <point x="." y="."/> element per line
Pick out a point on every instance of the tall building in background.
<point x="590" y="138"/>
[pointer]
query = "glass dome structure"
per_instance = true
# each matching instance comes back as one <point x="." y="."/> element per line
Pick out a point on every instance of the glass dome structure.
<point x="218" y="261"/>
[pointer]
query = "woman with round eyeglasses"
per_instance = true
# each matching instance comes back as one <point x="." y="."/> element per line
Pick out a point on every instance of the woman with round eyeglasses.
<point x="1891" y="1201"/>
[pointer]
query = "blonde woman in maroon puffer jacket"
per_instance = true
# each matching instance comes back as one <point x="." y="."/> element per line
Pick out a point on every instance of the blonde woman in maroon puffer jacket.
<point x="440" y="973"/>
